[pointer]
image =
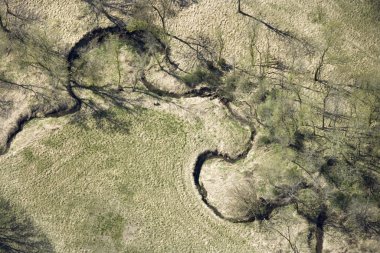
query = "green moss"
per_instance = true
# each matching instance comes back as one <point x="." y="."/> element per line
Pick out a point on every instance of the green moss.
<point x="126" y="191"/>
<point x="28" y="155"/>
<point x="111" y="224"/>
<point x="41" y="162"/>
<point x="53" y="142"/>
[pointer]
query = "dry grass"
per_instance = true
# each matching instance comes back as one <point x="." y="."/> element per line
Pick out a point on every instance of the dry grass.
<point x="94" y="188"/>
<point x="63" y="22"/>
<point x="56" y="25"/>
<point x="349" y="29"/>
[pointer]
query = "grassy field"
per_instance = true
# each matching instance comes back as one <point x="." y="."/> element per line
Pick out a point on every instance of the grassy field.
<point x="120" y="179"/>
<point x="93" y="188"/>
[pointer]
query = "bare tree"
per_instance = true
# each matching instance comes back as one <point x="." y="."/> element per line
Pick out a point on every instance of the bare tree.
<point x="115" y="11"/>
<point x="285" y="235"/>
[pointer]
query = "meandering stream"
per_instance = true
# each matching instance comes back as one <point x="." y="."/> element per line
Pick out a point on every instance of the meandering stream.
<point x="97" y="36"/>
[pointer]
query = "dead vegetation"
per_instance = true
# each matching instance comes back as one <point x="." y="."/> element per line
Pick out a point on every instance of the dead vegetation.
<point x="297" y="80"/>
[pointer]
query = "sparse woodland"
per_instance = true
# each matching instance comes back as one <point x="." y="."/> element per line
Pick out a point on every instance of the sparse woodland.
<point x="316" y="107"/>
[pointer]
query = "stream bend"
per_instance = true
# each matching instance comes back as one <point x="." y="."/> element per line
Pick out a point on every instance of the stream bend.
<point x="137" y="38"/>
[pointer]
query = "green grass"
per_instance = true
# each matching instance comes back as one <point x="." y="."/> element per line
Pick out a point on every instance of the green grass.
<point x="95" y="190"/>
<point x="107" y="63"/>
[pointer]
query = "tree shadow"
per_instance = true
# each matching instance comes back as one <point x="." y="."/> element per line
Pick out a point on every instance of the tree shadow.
<point x="185" y="3"/>
<point x="104" y="118"/>
<point x="281" y="33"/>
<point x="18" y="233"/>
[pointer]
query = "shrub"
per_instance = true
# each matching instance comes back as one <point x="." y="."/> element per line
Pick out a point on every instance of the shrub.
<point x="264" y="140"/>
<point x="200" y="75"/>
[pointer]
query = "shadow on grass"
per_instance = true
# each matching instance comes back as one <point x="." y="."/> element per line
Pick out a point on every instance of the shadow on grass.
<point x="101" y="118"/>
<point x="281" y="33"/>
<point x="18" y="233"/>
<point x="269" y="26"/>
<point x="106" y="108"/>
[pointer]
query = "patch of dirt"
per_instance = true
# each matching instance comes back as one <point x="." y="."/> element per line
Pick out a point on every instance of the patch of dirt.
<point x="130" y="232"/>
